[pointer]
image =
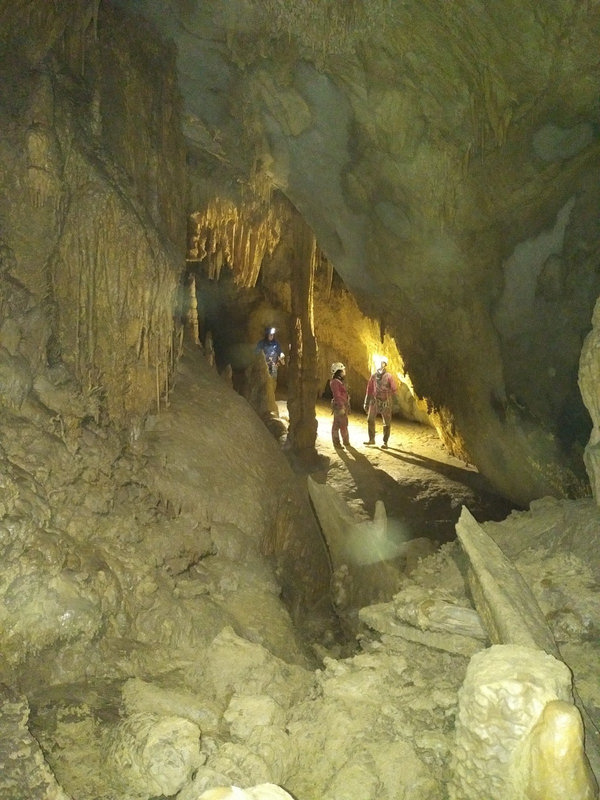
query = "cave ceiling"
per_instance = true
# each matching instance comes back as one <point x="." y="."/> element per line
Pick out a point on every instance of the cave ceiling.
<point x="401" y="131"/>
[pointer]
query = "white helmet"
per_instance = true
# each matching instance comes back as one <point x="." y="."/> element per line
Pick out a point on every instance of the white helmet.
<point x="336" y="366"/>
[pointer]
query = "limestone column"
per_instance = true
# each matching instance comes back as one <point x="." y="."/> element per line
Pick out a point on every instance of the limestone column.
<point x="303" y="380"/>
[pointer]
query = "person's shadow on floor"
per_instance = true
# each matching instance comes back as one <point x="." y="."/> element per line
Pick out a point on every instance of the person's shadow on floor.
<point x="421" y="502"/>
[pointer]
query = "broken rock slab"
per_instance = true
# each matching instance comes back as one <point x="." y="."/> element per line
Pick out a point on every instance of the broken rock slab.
<point x="383" y="618"/>
<point x="428" y="610"/>
<point x="509" y="610"/>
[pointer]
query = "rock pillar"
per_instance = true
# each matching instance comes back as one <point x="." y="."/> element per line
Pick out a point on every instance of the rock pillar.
<point x="303" y="382"/>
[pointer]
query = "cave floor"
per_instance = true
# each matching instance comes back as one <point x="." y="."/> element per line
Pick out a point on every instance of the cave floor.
<point x="422" y="486"/>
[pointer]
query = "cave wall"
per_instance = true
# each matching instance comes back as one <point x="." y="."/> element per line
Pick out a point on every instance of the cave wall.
<point x="92" y="252"/>
<point x="447" y="160"/>
<point x="96" y="527"/>
<point x="92" y="203"/>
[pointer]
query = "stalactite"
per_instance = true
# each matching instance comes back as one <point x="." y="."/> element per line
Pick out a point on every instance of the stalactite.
<point x="78" y="317"/>
<point x="329" y="279"/>
<point x="157" y="389"/>
<point x="242" y="235"/>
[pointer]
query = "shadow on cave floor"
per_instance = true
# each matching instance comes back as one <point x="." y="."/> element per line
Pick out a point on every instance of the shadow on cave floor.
<point x="421" y="485"/>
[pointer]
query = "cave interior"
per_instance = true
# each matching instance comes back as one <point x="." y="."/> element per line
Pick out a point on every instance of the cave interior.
<point x="182" y="613"/>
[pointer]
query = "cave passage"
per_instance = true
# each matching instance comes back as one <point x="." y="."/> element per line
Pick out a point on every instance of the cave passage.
<point x="422" y="485"/>
<point x="317" y="319"/>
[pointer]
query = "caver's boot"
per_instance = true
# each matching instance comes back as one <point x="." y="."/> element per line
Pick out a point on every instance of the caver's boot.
<point x="386" y="435"/>
<point x="371" y="429"/>
<point x="336" y="444"/>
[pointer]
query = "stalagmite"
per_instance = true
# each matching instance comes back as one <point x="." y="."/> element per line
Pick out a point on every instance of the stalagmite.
<point x="303" y="386"/>
<point x="351" y="541"/>
<point x="501" y="700"/>
<point x="367" y="556"/>
<point x="552" y="759"/>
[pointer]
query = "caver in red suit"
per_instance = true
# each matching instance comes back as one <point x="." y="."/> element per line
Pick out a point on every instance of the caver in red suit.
<point x="340" y="405"/>
<point x="379" y="399"/>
